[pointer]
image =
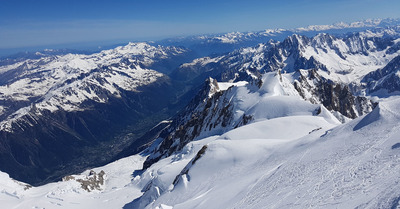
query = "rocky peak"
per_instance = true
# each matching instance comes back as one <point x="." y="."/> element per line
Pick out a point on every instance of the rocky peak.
<point x="384" y="81"/>
<point x="322" y="40"/>
<point x="209" y="113"/>
<point x="392" y="67"/>
<point x="334" y="96"/>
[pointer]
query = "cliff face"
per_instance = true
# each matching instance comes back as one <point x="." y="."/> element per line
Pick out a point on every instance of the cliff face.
<point x="334" y="96"/>
<point x="384" y="81"/>
<point x="210" y="112"/>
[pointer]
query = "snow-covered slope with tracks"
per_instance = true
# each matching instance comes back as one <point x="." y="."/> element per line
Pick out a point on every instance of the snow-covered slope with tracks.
<point x="262" y="166"/>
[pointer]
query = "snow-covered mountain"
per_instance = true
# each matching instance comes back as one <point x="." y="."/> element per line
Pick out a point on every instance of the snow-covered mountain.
<point x="268" y="163"/>
<point x="56" y="109"/>
<point x="323" y="69"/>
<point x="291" y="161"/>
<point x="66" y="82"/>
<point x="385" y="81"/>
<point x="223" y="106"/>
<point x="205" y="45"/>
<point x="11" y="59"/>
<point x="345" y="59"/>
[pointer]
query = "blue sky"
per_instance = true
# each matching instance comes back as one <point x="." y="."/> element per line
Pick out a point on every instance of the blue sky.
<point x="29" y="23"/>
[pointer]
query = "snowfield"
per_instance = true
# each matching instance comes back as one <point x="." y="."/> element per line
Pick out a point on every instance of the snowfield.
<point x="352" y="165"/>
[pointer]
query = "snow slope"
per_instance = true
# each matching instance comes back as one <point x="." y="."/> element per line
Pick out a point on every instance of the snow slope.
<point x="115" y="193"/>
<point x="262" y="166"/>
<point x="272" y="96"/>
<point x="277" y="113"/>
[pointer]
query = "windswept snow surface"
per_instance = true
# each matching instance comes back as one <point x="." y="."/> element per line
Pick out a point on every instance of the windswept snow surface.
<point x="288" y="162"/>
<point x="225" y="85"/>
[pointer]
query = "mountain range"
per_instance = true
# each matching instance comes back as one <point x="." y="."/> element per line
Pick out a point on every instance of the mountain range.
<point x="279" y="118"/>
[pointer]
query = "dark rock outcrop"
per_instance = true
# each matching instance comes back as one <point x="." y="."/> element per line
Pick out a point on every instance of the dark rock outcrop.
<point x="386" y="79"/>
<point x="334" y="96"/>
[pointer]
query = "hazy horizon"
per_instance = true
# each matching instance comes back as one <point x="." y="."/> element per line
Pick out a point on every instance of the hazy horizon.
<point x="28" y="25"/>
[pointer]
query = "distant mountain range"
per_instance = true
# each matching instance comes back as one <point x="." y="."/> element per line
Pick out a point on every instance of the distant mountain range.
<point x="206" y="45"/>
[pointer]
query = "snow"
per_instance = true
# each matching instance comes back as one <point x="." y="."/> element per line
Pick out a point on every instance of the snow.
<point x="351" y="68"/>
<point x="232" y="38"/>
<point x="117" y="190"/>
<point x="272" y="32"/>
<point x="237" y="147"/>
<point x="6" y="124"/>
<point x="282" y="128"/>
<point x="290" y="161"/>
<point x="274" y="99"/>
<point x="225" y="85"/>
<point x="226" y="158"/>
<point x="280" y="117"/>
<point x="229" y="40"/>
<point x="341" y="25"/>
<point x="262" y="168"/>
<point x="347" y="60"/>
<point x="74" y="78"/>
<point x="202" y="61"/>
<point x="262" y="36"/>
